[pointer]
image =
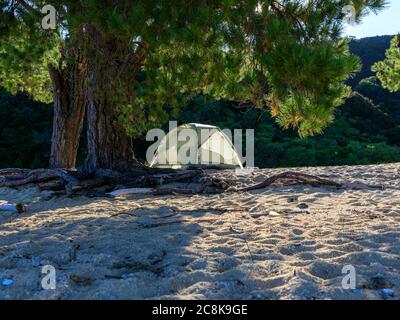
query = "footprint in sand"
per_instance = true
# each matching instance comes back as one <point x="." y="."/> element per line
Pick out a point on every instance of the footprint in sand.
<point x="293" y="249"/>
<point x="227" y="251"/>
<point x="227" y="264"/>
<point x="297" y="232"/>
<point x="325" y="270"/>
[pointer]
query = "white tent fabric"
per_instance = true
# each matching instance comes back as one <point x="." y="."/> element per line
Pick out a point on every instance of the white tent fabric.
<point x="196" y="145"/>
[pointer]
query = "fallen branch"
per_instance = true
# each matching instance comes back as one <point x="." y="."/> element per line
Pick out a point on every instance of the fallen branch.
<point x="35" y="176"/>
<point x="148" y="177"/>
<point x="362" y="186"/>
<point x="154" y="191"/>
<point x="54" y="185"/>
<point x="124" y="213"/>
<point x="79" y="185"/>
<point x="74" y="250"/>
<point x="126" y="192"/>
<point x="167" y="223"/>
<point x="13" y="172"/>
<point x="294" y="178"/>
<point x="176" y="191"/>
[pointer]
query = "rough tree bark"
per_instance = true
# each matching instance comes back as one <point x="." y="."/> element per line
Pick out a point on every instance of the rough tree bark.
<point x="109" y="147"/>
<point x="69" y="109"/>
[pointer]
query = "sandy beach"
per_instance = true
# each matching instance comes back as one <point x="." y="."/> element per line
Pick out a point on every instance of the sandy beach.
<point x="281" y="242"/>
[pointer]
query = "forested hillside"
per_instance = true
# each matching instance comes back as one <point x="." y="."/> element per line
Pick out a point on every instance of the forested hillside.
<point x="370" y="50"/>
<point x="366" y="129"/>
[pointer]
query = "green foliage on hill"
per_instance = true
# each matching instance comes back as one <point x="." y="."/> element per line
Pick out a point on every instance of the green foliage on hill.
<point x="388" y="71"/>
<point x="25" y="131"/>
<point x="370" y="50"/>
<point x="366" y="129"/>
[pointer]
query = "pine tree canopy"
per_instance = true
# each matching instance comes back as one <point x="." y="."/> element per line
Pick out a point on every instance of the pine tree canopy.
<point x="288" y="55"/>
<point x="388" y="71"/>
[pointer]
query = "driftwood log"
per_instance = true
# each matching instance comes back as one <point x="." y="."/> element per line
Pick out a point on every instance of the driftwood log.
<point x="75" y="182"/>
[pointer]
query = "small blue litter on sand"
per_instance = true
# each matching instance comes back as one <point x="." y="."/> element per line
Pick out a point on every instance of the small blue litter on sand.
<point x="7" y="282"/>
<point x="388" y="292"/>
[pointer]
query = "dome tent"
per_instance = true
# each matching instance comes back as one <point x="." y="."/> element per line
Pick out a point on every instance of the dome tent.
<point x="196" y="145"/>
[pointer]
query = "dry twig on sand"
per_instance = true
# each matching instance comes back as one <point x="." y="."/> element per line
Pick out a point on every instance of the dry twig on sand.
<point x="166" y="223"/>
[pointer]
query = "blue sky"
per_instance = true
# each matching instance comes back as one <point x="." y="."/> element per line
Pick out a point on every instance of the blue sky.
<point x="387" y="22"/>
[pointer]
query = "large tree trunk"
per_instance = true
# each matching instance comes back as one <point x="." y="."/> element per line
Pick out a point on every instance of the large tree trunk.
<point x="109" y="146"/>
<point x="69" y="111"/>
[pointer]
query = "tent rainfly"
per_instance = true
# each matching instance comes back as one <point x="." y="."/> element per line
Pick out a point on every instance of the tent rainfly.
<point x="196" y="145"/>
